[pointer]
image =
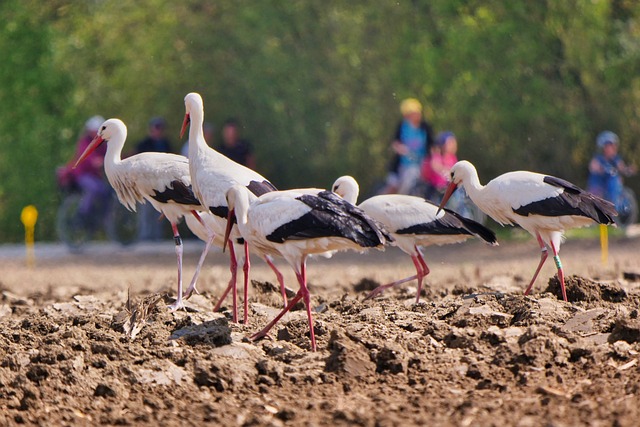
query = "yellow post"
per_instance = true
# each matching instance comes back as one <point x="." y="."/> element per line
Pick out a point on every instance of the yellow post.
<point x="604" y="243"/>
<point x="29" y="216"/>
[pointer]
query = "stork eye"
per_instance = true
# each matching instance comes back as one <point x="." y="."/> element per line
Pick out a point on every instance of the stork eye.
<point x="103" y="128"/>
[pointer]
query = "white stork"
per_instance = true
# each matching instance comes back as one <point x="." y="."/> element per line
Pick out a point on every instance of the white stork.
<point x="298" y="223"/>
<point x="543" y="205"/>
<point x="212" y="174"/>
<point x="413" y="222"/>
<point x="162" y="179"/>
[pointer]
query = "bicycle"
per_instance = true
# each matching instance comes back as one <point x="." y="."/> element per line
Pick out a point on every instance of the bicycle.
<point x="75" y="230"/>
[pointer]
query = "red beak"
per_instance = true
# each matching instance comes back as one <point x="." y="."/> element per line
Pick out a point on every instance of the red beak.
<point x="230" y="217"/>
<point x="447" y="194"/>
<point x="95" y="143"/>
<point x="185" y="123"/>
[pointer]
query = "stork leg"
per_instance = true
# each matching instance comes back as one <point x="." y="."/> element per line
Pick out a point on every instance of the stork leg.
<point x="246" y="268"/>
<point x="543" y="257"/>
<point x="556" y="258"/>
<point x="302" y="278"/>
<point x="382" y="288"/>
<point x="192" y="286"/>
<point x="283" y="290"/>
<point x="232" y="283"/>
<point x="421" y="271"/>
<point x="179" y="249"/>
<point x="303" y="293"/>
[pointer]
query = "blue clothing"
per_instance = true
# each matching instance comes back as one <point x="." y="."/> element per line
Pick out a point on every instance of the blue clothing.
<point x="607" y="184"/>
<point x="415" y="139"/>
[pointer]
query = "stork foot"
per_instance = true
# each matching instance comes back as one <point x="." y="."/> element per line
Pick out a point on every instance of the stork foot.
<point x="190" y="291"/>
<point x="178" y="305"/>
<point x="377" y="291"/>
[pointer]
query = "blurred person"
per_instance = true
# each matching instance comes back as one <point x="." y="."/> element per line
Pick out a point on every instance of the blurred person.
<point x="410" y="145"/>
<point x="89" y="175"/>
<point x="209" y="135"/>
<point x="234" y="147"/>
<point x="606" y="168"/>
<point x="155" y="141"/>
<point x="437" y="165"/>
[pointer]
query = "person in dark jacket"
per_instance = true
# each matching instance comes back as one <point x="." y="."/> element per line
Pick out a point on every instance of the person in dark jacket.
<point x="155" y="141"/>
<point x="234" y="147"/>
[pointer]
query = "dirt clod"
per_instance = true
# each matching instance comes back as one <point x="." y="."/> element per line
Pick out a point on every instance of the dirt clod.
<point x="582" y="289"/>
<point x="475" y="351"/>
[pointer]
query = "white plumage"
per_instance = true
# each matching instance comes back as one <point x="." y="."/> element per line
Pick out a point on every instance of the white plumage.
<point x="413" y="222"/>
<point x="161" y="179"/>
<point x="543" y="205"/>
<point x="212" y="174"/>
<point x="297" y="223"/>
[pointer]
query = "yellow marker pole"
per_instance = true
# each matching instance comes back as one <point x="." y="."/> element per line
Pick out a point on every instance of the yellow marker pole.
<point x="604" y="243"/>
<point x="29" y="216"/>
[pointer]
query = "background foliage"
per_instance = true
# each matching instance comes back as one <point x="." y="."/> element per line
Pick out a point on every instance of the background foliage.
<point x="525" y="85"/>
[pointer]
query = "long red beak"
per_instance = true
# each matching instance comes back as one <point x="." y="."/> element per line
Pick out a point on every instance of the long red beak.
<point x="230" y="217"/>
<point x="185" y="123"/>
<point x="447" y="194"/>
<point x="95" y="143"/>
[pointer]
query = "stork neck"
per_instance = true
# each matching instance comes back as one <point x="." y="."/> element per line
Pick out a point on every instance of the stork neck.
<point x="196" y="134"/>
<point x="351" y="193"/>
<point x="472" y="185"/>
<point x="114" y="149"/>
<point x="242" y="208"/>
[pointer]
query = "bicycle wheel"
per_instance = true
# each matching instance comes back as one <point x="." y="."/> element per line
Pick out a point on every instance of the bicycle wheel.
<point x="70" y="226"/>
<point x="122" y="224"/>
<point x="628" y="212"/>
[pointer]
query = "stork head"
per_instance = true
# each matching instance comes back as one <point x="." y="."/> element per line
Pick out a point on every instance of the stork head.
<point x="460" y="173"/>
<point x="111" y="130"/>
<point x="193" y="105"/>
<point x="347" y="188"/>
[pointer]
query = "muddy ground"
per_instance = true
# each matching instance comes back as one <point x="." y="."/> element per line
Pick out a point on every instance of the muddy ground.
<point x="473" y="352"/>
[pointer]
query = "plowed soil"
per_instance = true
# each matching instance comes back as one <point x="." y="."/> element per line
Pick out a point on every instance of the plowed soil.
<point x="474" y="351"/>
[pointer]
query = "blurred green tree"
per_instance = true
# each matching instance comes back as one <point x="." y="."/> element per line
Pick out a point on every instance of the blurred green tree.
<point x="525" y="85"/>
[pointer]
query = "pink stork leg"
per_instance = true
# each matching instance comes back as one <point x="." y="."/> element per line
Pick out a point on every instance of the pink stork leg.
<point x="556" y="258"/>
<point x="283" y="290"/>
<point x="246" y="268"/>
<point x="421" y="269"/>
<point x="233" y="267"/>
<point x="543" y="257"/>
<point x="179" y="249"/>
<point x="192" y="286"/>
<point x="303" y="293"/>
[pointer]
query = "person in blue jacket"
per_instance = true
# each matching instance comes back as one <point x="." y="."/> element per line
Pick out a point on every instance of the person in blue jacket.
<point x="606" y="169"/>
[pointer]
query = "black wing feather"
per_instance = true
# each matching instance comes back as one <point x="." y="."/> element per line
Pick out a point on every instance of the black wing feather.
<point x="260" y="188"/>
<point x="572" y="201"/>
<point x="176" y="192"/>
<point x="332" y="216"/>
<point x="452" y="223"/>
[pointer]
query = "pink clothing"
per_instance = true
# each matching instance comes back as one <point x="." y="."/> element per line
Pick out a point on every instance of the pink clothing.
<point x="443" y="162"/>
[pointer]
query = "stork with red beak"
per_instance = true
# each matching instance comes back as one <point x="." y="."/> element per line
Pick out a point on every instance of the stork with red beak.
<point x="297" y="223"/>
<point x="543" y="205"/>
<point x="212" y="175"/>
<point x="161" y="179"/>
<point x="414" y="223"/>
